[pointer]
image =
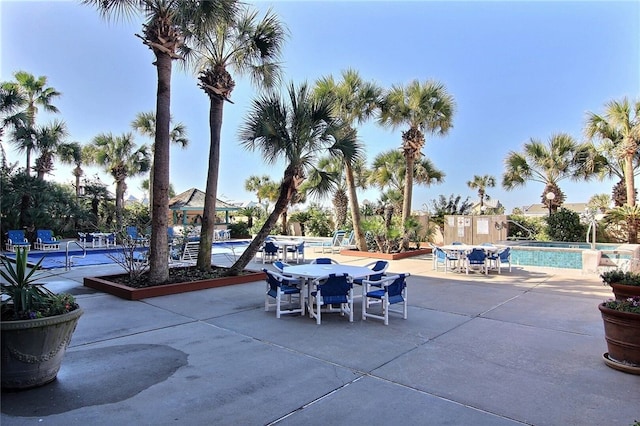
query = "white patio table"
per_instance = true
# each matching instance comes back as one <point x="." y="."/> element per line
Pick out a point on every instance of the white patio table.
<point x="312" y="271"/>
<point x="284" y="245"/>
<point x="463" y="249"/>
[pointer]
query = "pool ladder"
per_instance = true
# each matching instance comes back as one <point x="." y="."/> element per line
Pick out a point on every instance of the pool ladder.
<point x="69" y="259"/>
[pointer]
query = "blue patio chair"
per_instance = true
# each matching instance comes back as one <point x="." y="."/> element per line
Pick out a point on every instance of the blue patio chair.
<point x="323" y="261"/>
<point x="448" y="260"/>
<point x="279" y="286"/>
<point x="476" y="258"/>
<point x="297" y="251"/>
<point x="393" y="290"/>
<point x="269" y="251"/>
<point x="502" y="256"/>
<point x="379" y="267"/>
<point x="110" y="240"/>
<point x="331" y="290"/>
<point x="45" y="240"/>
<point x="15" y="238"/>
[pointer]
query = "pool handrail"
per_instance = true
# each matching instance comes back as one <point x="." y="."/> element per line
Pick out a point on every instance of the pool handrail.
<point x="69" y="259"/>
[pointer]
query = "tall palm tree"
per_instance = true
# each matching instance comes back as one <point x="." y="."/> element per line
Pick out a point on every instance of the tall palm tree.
<point x="34" y="94"/>
<point x="355" y="101"/>
<point x="164" y="33"/>
<point x="426" y="107"/>
<point x="561" y="158"/>
<point x="481" y="183"/>
<point x="71" y="153"/>
<point x="619" y="126"/>
<point x="243" y="44"/>
<point x="120" y="158"/>
<point x="145" y="124"/>
<point x="339" y="199"/>
<point x="49" y="140"/>
<point x="297" y="130"/>
<point x="388" y="171"/>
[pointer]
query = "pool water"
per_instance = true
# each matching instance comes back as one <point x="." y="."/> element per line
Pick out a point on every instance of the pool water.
<point x="57" y="259"/>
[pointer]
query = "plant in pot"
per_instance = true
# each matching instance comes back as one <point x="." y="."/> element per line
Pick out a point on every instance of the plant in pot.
<point x="623" y="284"/>
<point x="622" y="333"/>
<point x="36" y="326"/>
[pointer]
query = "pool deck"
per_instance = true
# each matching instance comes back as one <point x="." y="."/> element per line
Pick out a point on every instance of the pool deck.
<point x="523" y="347"/>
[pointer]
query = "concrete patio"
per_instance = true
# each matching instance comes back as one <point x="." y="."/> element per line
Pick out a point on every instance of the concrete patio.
<point x="523" y="347"/>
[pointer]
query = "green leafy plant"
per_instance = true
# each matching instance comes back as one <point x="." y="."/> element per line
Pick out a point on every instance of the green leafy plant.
<point x="631" y="304"/>
<point x="24" y="298"/>
<point x="617" y="276"/>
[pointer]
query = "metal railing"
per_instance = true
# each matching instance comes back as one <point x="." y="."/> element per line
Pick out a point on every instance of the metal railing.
<point x="69" y="259"/>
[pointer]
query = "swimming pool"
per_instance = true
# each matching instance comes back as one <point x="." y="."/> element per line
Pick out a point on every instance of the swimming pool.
<point x="569" y="255"/>
<point x="57" y="259"/>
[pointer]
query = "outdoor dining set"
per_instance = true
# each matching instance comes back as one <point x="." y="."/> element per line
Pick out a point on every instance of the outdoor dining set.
<point x="458" y="257"/>
<point x="325" y="286"/>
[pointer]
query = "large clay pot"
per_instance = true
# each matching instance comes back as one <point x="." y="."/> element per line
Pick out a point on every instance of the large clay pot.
<point x="622" y="333"/>
<point x="623" y="291"/>
<point x="32" y="350"/>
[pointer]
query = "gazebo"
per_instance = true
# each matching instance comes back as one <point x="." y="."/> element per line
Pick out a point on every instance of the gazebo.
<point x="187" y="208"/>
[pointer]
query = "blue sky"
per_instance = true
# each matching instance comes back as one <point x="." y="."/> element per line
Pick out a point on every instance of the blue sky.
<point x="517" y="70"/>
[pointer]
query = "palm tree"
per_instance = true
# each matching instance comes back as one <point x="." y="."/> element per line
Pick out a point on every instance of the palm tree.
<point x="145" y="124"/>
<point x="297" y="129"/>
<point x="12" y="101"/>
<point x="629" y="215"/>
<point x="71" y="153"/>
<point x="34" y="93"/>
<point x="481" y="183"/>
<point x="245" y="45"/>
<point x="424" y="108"/>
<point x="619" y="126"/>
<point x="164" y="33"/>
<point x="120" y="158"/>
<point x="388" y="171"/>
<point x="49" y="140"/>
<point x="562" y="158"/>
<point x="340" y="199"/>
<point x="355" y="101"/>
<point x="255" y="184"/>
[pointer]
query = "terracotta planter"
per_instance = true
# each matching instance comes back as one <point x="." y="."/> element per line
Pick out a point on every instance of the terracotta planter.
<point x="622" y="333"/>
<point x="623" y="291"/>
<point x="32" y="350"/>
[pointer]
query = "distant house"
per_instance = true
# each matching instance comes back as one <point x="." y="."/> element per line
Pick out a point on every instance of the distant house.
<point x="541" y="210"/>
<point x="492" y="206"/>
<point x="187" y="208"/>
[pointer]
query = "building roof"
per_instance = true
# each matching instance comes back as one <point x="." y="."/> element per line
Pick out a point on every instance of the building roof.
<point x="193" y="199"/>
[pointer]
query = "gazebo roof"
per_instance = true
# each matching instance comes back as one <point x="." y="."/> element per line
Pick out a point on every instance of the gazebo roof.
<point x="193" y="199"/>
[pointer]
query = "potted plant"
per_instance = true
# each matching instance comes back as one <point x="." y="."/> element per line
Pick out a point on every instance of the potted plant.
<point x="36" y="326"/>
<point x="623" y="284"/>
<point x="622" y="333"/>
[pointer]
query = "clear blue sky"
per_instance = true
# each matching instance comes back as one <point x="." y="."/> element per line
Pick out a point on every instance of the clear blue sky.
<point x="517" y="70"/>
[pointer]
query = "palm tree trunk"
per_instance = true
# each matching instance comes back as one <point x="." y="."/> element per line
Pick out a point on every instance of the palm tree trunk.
<point x="630" y="184"/>
<point x="158" y="246"/>
<point x="361" y="241"/>
<point x="406" y="204"/>
<point x="119" y="202"/>
<point x="211" y="192"/>
<point x="281" y="205"/>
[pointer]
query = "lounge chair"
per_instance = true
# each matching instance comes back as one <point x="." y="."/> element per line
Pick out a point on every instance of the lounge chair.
<point x="137" y="239"/>
<point x="15" y="238"/>
<point x="45" y="240"/>
<point x="349" y="242"/>
<point x="335" y="245"/>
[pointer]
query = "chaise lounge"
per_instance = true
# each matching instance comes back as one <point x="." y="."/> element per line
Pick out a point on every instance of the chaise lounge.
<point x="45" y="240"/>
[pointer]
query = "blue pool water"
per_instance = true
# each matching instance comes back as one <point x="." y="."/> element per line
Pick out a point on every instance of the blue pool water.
<point x="57" y="259"/>
<point x="568" y="255"/>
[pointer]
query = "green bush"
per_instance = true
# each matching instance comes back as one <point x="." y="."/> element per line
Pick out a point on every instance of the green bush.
<point x="565" y="225"/>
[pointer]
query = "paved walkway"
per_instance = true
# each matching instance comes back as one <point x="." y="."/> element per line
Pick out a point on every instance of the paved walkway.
<point x="518" y="348"/>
